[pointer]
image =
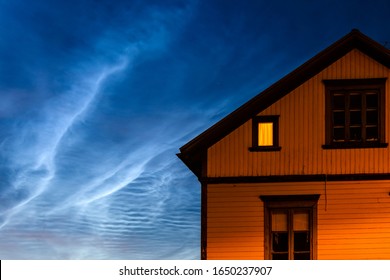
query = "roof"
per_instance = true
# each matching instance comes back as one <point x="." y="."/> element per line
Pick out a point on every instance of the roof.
<point x="192" y="153"/>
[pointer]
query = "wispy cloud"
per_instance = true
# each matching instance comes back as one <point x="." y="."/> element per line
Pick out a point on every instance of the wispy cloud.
<point x="61" y="170"/>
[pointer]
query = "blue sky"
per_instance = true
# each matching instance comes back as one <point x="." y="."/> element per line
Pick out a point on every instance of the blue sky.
<point x="97" y="97"/>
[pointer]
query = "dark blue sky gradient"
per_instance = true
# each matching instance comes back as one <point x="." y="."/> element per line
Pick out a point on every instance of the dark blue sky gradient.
<point x="98" y="96"/>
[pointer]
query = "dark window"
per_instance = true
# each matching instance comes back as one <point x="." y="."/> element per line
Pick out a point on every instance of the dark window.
<point x="265" y="133"/>
<point x="355" y="113"/>
<point x="290" y="227"/>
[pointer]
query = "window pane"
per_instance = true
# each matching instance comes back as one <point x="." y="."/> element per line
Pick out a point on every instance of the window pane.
<point x="280" y="256"/>
<point x="372" y="117"/>
<point x="355" y="133"/>
<point x="302" y="256"/>
<point x="280" y="241"/>
<point x="266" y="134"/>
<point x="355" y="101"/>
<point x="372" y="133"/>
<point x="355" y="117"/>
<point x="338" y="134"/>
<point x="372" y="100"/>
<point x="302" y="241"/>
<point x="339" y="101"/>
<point x="301" y="221"/>
<point x="338" y="118"/>
<point x="279" y="221"/>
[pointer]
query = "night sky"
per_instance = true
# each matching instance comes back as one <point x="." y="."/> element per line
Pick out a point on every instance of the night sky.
<point x="97" y="97"/>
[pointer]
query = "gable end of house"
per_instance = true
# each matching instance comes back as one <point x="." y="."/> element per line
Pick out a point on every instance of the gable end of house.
<point x="193" y="154"/>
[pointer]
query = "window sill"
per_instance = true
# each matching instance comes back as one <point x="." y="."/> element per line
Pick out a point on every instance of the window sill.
<point x="265" y="149"/>
<point x="354" y="145"/>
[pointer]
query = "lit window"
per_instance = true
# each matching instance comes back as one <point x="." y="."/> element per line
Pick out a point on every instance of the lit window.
<point x="265" y="133"/>
<point x="290" y="227"/>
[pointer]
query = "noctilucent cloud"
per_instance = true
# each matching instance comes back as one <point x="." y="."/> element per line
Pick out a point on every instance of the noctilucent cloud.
<point x="96" y="97"/>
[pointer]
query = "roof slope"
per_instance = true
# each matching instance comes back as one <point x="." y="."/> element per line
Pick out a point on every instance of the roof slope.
<point x="191" y="153"/>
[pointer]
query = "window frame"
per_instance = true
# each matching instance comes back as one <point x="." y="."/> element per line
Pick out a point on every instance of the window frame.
<point x="349" y="86"/>
<point x="290" y="203"/>
<point x="274" y="119"/>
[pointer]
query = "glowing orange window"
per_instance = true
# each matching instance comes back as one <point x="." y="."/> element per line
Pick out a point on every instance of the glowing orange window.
<point x="265" y="134"/>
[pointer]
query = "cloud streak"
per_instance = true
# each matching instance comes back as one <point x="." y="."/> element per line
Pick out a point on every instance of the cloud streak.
<point x="62" y="170"/>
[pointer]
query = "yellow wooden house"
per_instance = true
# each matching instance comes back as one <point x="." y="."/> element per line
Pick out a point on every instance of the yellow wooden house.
<point x="302" y="170"/>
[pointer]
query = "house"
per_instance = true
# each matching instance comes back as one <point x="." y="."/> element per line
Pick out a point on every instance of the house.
<point x="302" y="170"/>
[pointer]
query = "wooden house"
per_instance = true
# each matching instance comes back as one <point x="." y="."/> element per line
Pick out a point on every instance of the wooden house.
<point x="302" y="170"/>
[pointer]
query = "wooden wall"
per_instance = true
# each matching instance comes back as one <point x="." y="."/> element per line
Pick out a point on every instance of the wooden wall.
<point x="353" y="219"/>
<point x="302" y="132"/>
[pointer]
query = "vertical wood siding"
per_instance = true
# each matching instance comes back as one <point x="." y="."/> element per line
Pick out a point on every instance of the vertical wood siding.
<point x="353" y="219"/>
<point x="302" y="132"/>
